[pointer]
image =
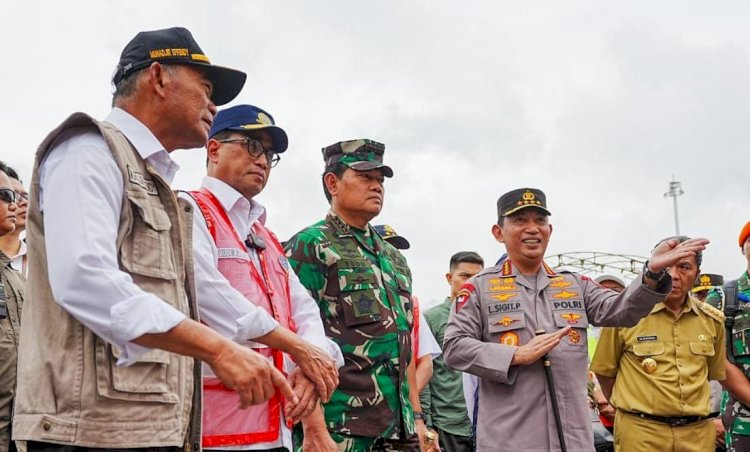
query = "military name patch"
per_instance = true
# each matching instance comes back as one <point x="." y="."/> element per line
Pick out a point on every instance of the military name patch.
<point x="503" y="307"/>
<point x="646" y="338"/>
<point x="140" y="180"/>
<point x="509" y="338"/>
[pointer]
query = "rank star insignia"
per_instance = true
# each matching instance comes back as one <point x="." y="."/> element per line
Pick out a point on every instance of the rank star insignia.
<point x="574" y="336"/>
<point x="571" y="318"/>
<point x="565" y="295"/>
<point x="509" y="338"/>
<point x="495" y="281"/>
<point x="505" y="321"/>
<point x="504" y="296"/>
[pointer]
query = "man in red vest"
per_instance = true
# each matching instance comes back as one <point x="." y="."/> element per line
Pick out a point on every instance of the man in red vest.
<point x="252" y="296"/>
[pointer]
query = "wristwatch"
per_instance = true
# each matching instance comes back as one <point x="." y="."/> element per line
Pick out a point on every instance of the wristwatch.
<point x="418" y="415"/>
<point x="658" y="276"/>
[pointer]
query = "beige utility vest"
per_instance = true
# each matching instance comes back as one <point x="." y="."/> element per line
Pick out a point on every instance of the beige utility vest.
<point x="70" y="390"/>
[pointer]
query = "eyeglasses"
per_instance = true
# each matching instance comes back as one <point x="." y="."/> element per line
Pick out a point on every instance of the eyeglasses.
<point x="24" y="196"/>
<point x="8" y="196"/>
<point x="255" y="149"/>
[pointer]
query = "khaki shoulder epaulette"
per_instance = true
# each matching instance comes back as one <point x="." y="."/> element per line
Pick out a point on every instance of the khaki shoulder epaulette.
<point x="711" y="311"/>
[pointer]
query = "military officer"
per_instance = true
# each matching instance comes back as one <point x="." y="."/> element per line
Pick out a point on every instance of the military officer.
<point x="492" y="331"/>
<point x="363" y="288"/>
<point x="735" y="411"/>
<point x="656" y="373"/>
<point x="704" y="283"/>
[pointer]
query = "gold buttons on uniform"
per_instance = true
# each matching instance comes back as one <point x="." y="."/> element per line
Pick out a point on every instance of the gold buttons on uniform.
<point x="649" y="365"/>
<point x="46" y="426"/>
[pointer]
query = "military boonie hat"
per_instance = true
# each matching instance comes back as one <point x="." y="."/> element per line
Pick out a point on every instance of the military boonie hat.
<point x="244" y="118"/>
<point x="177" y="46"/>
<point x="359" y="155"/>
<point x="521" y="198"/>
<point x="391" y="236"/>
<point x="707" y="281"/>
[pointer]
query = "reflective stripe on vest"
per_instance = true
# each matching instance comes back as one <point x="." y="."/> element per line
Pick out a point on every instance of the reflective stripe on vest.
<point x="224" y="422"/>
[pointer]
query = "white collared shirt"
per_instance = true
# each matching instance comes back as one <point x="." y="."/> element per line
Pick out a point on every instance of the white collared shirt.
<point x="81" y="193"/>
<point x="226" y="310"/>
<point x="17" y="261"/>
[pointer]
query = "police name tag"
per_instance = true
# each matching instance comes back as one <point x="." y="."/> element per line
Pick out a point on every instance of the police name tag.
<point x="646" y="338"/>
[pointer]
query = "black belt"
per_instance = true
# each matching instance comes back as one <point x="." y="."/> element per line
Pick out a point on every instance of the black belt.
<point x="672" y="421"/>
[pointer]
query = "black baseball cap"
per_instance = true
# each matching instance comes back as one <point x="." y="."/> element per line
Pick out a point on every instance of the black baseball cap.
<point x="177" y="46"/>
<point x="521" y="198"/>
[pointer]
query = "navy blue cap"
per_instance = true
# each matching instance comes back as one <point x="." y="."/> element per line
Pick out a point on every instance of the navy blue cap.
<point x="391" y="236"/>
<point x="244" y="118"/>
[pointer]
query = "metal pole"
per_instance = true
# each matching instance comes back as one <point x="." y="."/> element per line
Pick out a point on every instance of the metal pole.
<point x="675" y="190"/>
<point x="553" y="396"/>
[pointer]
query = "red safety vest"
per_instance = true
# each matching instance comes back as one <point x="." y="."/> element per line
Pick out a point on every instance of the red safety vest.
<point x="224" y="423"/>
<point x="415" y="331"/>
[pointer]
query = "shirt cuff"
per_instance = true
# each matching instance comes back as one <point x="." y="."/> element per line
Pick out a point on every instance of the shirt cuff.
<point x="137" y="316"/>
<point x="254" y="324"/>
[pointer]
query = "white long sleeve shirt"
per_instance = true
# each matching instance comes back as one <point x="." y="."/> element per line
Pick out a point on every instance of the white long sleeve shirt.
<point x="226" y="310"/>
<point x="81" y="192"/>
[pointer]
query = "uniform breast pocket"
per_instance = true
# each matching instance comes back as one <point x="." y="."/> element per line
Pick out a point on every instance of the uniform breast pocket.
<point x="577" y="338"/>
<point x="360" y="295"/>
<point x="506" y="328"/>
<point x="702" y="348"/>
<point x="147" y="249"/>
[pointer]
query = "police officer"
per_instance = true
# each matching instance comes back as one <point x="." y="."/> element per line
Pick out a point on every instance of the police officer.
<point x="491" y="331"/>
<point x="656" y="373"/>
<point x="735" y="412"/>
<point x="363" y="287"/>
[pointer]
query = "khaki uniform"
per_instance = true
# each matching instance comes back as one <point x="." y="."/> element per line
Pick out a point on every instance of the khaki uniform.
<point x="498" y="310"/>
<point x="70" y="389"/>
<point x="688" y="352"/>
<point x="10" y="328"/>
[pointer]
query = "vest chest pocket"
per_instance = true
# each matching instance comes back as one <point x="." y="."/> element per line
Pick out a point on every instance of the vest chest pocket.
<point x="147" y="250"/>
<point x="150" y="379"/>
<point x="360" y="294"/>
<point x="648" y="349"/>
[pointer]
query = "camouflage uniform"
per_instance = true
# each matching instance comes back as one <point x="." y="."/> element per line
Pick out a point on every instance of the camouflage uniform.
<point x="735" y="415"/>
<point x="362" y="285"/>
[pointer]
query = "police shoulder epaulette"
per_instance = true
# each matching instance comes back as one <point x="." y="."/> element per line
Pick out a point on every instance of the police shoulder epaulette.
<point x="711" y="311"/>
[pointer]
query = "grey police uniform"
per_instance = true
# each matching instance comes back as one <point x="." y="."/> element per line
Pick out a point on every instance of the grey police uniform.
<point x="498" y="310"/>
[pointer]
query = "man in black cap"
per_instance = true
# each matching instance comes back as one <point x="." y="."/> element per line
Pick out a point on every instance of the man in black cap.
<point x="110" y="257"/>
<point x="508" y="317"/>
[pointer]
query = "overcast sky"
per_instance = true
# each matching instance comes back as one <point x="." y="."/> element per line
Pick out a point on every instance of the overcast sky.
<point x="598" y="104"/>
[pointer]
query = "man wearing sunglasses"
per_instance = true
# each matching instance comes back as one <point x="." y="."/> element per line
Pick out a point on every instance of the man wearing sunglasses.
<point x="110" y="351"/>
<point x="12" y="244"/>
<point x="12" y="286"/>
<point x="249" y="294"/>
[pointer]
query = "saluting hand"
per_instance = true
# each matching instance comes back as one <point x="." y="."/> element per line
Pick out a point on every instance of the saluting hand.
<point x="537" y="347"/>
<point x="669" y="252"/>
